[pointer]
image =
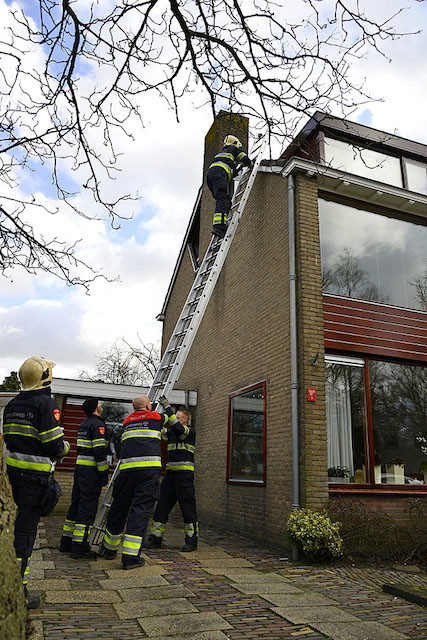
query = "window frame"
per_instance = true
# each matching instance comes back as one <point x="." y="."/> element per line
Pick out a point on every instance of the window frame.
<point x="370" y="487"/>
<point x="242" y="481"/>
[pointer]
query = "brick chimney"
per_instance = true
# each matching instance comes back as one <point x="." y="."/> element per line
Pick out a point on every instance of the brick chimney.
<point x="225" y="123"/>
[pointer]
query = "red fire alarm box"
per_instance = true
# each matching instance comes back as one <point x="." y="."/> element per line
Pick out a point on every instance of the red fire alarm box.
<point x="311" y="395"/>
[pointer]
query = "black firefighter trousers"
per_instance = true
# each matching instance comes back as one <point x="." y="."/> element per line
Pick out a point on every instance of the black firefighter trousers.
<point x="84" y="504"/>
<point x="219" y="185"/>
<point x="177" y="486"/>
<point x="135" y="493"/>
<point x="28" y="490"/>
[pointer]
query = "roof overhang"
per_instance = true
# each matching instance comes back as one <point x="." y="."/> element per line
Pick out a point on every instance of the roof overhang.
<point x="106" y="391"/>
<point x="356" y="187"/>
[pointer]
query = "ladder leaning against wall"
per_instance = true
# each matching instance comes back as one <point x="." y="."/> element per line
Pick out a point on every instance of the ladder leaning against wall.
<point x="179" y="345"/>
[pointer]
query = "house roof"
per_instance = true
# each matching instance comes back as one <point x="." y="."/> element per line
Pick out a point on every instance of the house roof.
<point x="104" y="391"/>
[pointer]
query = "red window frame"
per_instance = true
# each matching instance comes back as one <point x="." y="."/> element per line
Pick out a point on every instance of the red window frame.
<point x="259" y="483"/>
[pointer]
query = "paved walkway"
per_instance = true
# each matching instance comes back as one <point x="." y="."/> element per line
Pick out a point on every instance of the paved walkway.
<point x="228" y="589"/>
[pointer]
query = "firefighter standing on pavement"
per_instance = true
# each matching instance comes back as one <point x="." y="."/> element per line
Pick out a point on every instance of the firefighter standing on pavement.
<point x="178" y="483"/>
<point x="220" y="173"/>
<point x="90" y="475"/>
<point x="137" y="486"/>
<point x="34" y="439"/>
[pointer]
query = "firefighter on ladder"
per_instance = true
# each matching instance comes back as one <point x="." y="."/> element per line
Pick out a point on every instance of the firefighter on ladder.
<point x="34" y="439"/>
<point x="178" y="483"/>
<point x="137" y="486"/>
<point x="90" y="475"/>
<point x="220" y="173"/>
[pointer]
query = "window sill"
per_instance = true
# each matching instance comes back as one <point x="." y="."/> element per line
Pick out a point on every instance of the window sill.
<point x="376" y="488"/>
<point x="243" y="481"/>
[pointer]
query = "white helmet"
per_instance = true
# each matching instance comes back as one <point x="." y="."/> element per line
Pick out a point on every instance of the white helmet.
<point x="232" y="140"/>
<point x="36" y="373"/>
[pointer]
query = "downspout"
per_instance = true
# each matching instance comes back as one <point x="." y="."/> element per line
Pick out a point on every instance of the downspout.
<point x="294" y="352"/>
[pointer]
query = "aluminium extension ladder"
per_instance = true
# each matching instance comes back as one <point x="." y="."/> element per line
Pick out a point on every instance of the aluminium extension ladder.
<point x="192" y="312"/>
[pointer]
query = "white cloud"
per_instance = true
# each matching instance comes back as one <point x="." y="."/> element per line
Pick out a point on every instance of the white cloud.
<point x="164" y="164"/>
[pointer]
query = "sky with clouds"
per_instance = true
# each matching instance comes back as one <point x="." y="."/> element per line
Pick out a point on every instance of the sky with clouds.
<point x="41" y="316"/>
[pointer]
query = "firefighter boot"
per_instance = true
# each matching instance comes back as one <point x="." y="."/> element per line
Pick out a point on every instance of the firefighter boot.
<point x="190" y="544"/>
<point x="82" y="551"/>
<point x="219" y="230"/>
<point x="65" y="545"/>
<point x="132" y="562"/>
<point x="108" y="554"/>
<point x="32" y="601"/>
<point x="153" y="542"/>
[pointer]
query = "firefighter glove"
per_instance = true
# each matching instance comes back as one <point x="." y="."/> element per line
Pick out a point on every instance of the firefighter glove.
<point x="164" y="402"/>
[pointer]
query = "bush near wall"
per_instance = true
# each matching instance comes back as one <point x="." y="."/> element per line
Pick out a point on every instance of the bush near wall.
<point x="375" y="535"/>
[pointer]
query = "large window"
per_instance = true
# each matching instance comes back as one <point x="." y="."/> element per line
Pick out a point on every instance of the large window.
<point x="363" y="162"/>
<point x="370" y="256"/>
<point x="417" y="176"/>
<point x="246" y="447"/>
<point x="376" y="421"/>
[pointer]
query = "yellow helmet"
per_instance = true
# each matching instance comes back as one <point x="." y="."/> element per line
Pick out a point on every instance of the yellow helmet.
<point x="36" y="373"/>
<point x="232" y="140"/>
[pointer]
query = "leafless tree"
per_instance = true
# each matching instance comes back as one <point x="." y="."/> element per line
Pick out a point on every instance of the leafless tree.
<point x="98" y="61"/>
<point x="347" y="277"/>
<point x="124" y="364"/>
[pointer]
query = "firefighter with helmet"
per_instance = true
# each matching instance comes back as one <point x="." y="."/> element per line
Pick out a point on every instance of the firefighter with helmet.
<point x="223" y="169"/>
<point x="34" y="440"/>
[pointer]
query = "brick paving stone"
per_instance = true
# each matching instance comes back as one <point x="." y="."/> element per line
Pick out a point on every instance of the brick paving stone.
<point x="153" y="608"/>
<point x="208" y="552"/>
<point x="226" y="563"/>
<point x="310" y="615"/>
<point x="182" y="623"/>
<point x="153" y="593"/>
<point x="52" y="584"/>
<point x="41" y="564"/>
<point x="140" y="571"/>
<point x="248" y="575"/>
<point x="125" y="580"/>
<point x="311" y="599"/>
<point x="204" y="635"/>
<point x="359" y="631"/>
<point x="267" y="587"/>
<point x="81" y="596"/>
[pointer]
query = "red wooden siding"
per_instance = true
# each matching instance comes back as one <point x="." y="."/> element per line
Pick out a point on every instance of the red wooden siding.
<point x="72" y="416"/>
<point x="374" y="329"/>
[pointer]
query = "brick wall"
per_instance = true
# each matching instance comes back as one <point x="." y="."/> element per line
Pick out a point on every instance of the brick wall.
<point x="243" y="339"/>
<point x="313" y="442"/>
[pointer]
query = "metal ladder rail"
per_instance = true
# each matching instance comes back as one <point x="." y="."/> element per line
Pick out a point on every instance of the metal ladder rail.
<point x="207" y="275"/>
<point x="191" y="315"/>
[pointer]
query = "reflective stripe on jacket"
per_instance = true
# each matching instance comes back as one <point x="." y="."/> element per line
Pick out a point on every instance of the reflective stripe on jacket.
<point x="92" y="446"/>
<point x="32" y="433"/>
<point x="229" y="158"/>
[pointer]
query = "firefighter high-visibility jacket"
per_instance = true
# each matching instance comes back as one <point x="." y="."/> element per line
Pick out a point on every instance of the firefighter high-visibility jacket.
<point x="92" y="447"/>
<point x="140" y="439"/>
<point x="229" y="158"/>
<point x="32" y="432"/>
<point x="181" y="441"/>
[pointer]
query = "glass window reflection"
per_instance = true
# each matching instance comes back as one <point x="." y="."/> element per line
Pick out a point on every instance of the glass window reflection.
<point x="372" y="257"/>
<point x="247" y="422"/>
<point x="399" y="419"/>
<point x="417" y="176"/>
<point x="363" y="162"/>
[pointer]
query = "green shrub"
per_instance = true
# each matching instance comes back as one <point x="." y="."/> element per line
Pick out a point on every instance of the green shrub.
<point x="315" y="534"/>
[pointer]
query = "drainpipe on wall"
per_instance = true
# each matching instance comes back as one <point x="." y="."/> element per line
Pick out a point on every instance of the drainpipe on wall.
<point x="294" y="353"/>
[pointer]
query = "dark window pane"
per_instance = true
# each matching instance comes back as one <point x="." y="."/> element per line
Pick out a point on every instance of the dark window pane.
<point x="399" y="415"/>
<point x="247" y="435"/>
<point x="345" y="413"/>
<point x="372" y="257"/>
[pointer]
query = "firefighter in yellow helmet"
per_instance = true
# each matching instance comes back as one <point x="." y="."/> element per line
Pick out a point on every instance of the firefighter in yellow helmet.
<point x="34" y="439"/>
<point x="223" y="169"/>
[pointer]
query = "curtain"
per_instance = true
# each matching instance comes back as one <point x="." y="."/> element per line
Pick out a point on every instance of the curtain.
<point x="338" y="416"/>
